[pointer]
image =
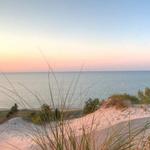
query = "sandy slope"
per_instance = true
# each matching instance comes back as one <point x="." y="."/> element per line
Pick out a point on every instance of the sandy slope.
<point x="16" y="130"/>
<point x="106" y="117"/>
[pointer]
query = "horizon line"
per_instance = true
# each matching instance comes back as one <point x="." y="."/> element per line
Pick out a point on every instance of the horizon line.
<point x="76" y="71"/>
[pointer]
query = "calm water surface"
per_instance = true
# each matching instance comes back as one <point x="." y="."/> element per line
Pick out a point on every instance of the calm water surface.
<point x="82" y="86"/>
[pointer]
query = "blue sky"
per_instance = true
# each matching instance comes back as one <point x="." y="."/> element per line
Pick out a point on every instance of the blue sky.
<point x="108" y="25"/>
<point x="108" y="17"/>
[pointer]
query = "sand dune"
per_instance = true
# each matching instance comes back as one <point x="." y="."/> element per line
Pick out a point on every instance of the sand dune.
<point x="106" y="117"/>
<point x="16" y="131"/>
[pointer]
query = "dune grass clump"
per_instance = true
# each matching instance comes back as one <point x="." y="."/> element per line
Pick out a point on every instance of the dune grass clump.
<point x="121" y="101"/>
<point x="126" y="100"/>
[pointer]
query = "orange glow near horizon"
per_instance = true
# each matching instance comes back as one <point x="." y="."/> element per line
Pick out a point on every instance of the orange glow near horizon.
<point x="21" y="53"/>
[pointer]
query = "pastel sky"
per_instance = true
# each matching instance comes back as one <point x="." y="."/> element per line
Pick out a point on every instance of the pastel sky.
<point x="99" y="34"/>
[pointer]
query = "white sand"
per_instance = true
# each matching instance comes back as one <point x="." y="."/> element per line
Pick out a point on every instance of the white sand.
<point x="15" y="131"/>
<point x="14" y="134"/>
<point x="106" y="117"/>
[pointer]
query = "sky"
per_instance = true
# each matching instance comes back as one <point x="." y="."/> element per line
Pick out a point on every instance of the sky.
<point x="99" y="35"/>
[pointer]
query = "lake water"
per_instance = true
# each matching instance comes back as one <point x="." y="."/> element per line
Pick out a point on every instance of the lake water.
<point x="33" y="89"/>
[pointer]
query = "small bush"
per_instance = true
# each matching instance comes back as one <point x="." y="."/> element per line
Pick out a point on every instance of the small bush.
<point x="121" y="101"/>
<point x="45" y="114"/>
<point x="144" y="96"/>
<point x="13" y="110"/>
<point x="41" y="116"/>
<point x="91" y="105"/>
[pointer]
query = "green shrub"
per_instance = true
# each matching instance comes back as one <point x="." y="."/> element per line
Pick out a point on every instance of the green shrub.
<point x="91" y="105"/>
<point x="45" y="113"/>
<point x="121" y="100"/>
<point x="13" y="110"/>
<point x="144" y="96"/>
<point x="45" y="108"/>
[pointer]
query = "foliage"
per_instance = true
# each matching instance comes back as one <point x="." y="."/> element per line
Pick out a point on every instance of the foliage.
<point x="44" y="115"/>
<point x="13" y="110"/>
<point x="57" y="114"/>
<point x="144" y="96"/>
<point x="45" y="108"/>
<point x="91" y="105"/>
<point x="121" y="100"/>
